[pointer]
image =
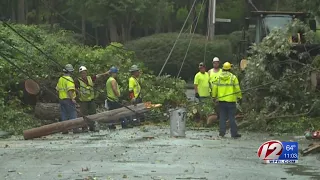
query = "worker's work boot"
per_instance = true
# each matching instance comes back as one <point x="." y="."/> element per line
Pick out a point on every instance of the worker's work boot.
<point x="237" y="136"/>
<point x="221" y="135"/>
<point x="76" y="131"/>
<point x="85" y="129"/>
<point x="112" y="127"/>
<point x="142" y="118"/>
<point x="136" y="122"/>
<point x="93" y="129"/>
<point x="126" y="124"/>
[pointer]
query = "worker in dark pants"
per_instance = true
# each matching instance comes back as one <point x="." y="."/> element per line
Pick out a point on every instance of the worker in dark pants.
<point x="67" y="95"/>
<point x="135" y="91"/>
<point x="214" y="74"/>
<point x="85" y="86"/>
<point x="227" y="91"/>
<point x="202" y="84"/>
<point x="113" y="94"/>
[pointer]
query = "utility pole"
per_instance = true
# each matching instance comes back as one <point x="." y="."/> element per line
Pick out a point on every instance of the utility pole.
<point x="211" y="18"/>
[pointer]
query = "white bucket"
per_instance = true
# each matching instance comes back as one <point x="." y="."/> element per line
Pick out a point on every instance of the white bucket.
<point x="178" y="118"/>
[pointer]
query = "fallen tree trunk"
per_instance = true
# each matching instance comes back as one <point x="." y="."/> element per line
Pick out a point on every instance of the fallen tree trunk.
<point x="48" y="111"/>
<point x="107" y="116"/>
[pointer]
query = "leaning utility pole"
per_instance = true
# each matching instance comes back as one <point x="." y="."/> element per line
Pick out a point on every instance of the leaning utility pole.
<point x="211" y="18"/>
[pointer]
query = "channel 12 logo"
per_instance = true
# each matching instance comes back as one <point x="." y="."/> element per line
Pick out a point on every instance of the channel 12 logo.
<point x="275" y="151"/>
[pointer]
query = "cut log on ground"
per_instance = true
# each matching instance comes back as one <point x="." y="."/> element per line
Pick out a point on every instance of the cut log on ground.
<point x="313" y="148"/>
<point x="106" y="116"/>
<point x="48" y="111"/>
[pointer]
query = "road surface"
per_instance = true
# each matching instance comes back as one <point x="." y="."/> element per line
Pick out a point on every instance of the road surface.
<point x="127" y="154"/>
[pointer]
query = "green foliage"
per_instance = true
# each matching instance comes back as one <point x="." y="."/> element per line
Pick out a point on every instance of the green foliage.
<point x="14" y="119"/>
<point x="286" y="81"/>
<point x="232" y="9"/>
<point x="204" y="109"/>
<point x="182" y="14"/>
<point x="59" y="46"/>
<point x="153" y="51"/>
<point x="294" y="125"/>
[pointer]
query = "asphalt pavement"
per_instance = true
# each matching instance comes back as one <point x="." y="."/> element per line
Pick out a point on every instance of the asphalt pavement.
<point x="147" y="153"/>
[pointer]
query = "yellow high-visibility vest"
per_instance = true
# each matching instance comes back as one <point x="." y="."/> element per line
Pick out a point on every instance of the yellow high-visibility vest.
<point x="227" y="88"/>
<point x="110" y="94"/>
<point x="86" y="90"/>
<point x="65" y="84"/>
<point x="134" y="86"/>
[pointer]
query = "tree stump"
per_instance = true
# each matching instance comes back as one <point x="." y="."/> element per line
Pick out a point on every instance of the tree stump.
<point x="213" y="118"/>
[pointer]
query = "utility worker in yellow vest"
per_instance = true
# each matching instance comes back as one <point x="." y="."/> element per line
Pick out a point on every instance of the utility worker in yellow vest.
<point x="85" y="86"/>
<point x="134" y="85"/>
<point x="67" y="95"/>
<point x="135" y="90"/>
<point x="215" y="71"/>
<point x="214" y="74"/>
<point x="202" y="83"/>
<point x="227" y="92"/>
<point x="113" y="94"/>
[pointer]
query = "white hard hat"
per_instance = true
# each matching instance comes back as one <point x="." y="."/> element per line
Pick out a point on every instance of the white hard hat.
<point x="215" y="59"/>
<point x="82" y="68"/>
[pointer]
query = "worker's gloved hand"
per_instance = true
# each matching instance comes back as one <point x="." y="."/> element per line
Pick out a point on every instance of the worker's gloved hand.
<point x="239" y="101"/>
<point x="197" y="95"/>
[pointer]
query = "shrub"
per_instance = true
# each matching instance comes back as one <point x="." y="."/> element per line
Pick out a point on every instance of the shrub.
<point x="153" y="51"/>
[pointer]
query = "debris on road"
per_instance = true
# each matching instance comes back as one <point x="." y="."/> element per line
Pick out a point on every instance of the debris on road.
<point x="204" y="178"/>
<point x="313" y="148"/>
<point x="85" y="169"/>
<point x="312" y="134"/>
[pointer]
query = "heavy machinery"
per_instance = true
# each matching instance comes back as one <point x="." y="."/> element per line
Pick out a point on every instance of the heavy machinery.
<point x="266" y="21"/>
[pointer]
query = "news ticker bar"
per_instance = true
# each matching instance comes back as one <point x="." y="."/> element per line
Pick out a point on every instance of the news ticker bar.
<point x="281" y="161"/>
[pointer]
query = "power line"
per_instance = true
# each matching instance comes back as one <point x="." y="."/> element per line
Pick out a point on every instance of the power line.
<point x="185" y="22"/>
<point x="6" y="24"/>
<point x="86" y="119"/>
<point x="185" y="56"/>
<point x="50" y="59"/>
<point x="250" y="1"/>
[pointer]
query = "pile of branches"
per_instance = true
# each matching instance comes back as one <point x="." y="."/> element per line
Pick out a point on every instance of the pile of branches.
<point x="277" y="78"/>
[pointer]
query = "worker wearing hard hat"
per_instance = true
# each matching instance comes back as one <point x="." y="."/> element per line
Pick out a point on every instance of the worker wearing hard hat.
<point x="227" y="91"/>
<point x="202" y="83"/>
<point x="134" y="85"/>
<point x="85" y="86"/>
<point x="215" y="71"/>
<point x="113" y="94"/>
<point x="135" y="89"/>
<point x="214" y="74"/>
<point x="67" y="96"/>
